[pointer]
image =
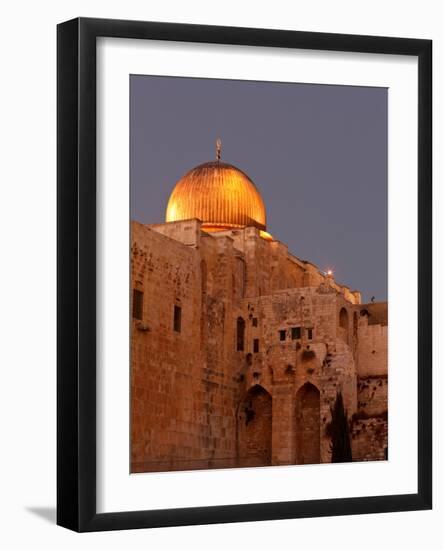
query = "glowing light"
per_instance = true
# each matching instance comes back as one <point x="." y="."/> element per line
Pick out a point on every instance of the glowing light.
<point x="329" y="273"/>
<point x="266" y="236"/>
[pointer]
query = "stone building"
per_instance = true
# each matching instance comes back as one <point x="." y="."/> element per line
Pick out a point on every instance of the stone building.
<point x="238" y="347"/>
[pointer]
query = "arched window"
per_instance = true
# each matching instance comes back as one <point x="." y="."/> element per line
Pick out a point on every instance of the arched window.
<point x="240" y="334"/>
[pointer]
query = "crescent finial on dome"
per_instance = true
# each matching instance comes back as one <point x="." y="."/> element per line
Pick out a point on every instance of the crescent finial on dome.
<point x="218" y="146"/>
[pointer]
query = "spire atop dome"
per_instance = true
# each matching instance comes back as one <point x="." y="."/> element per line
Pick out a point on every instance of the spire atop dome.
<point x="218" y="147"/>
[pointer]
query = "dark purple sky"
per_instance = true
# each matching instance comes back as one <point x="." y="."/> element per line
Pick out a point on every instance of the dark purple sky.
<point x="318" y="155"/>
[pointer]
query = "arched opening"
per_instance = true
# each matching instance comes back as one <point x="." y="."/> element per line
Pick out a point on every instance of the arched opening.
<point x="240" y="334"/>
<point x="343" y="322"/>
<point x="307" y="425"/>
<point x="255" y="428"/>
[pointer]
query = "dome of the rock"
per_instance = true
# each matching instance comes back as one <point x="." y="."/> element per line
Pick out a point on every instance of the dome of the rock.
<point x="220" y="195"/>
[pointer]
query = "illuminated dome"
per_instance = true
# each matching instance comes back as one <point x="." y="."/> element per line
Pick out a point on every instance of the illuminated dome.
<point x="220" y="195"/>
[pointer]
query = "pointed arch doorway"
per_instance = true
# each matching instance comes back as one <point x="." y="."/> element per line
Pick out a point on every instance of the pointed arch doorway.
<point x="255" y="428"/>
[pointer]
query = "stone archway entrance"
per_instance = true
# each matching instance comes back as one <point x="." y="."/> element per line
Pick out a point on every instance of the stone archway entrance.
<point x="255" y="428"/>
<point x="307" y="425"/>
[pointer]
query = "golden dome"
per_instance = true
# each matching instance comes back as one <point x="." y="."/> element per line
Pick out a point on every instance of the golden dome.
<point x="218" y="194"/>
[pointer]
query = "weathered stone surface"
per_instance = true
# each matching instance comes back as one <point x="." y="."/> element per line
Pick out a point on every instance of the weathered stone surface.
<point x="241" y="350"/>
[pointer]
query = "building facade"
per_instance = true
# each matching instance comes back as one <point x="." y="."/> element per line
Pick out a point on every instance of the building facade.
<point x="238" y="347"/>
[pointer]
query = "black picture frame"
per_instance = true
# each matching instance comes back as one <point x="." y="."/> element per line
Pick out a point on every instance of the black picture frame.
<point x="76" y="264"/>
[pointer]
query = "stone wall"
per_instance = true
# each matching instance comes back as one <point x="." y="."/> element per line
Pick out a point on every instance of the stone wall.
<point x="372" y="346"/>
<point x="272" y="268"/>
<point x="183" y="395"/>
<point x="369" y="438"/>
<point x="311" y="357"/>
<point x="370" y="423"/>
<point x="265" y="343"/>
<point x="372" y="394"/>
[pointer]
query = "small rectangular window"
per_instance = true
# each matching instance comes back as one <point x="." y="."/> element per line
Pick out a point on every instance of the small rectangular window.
<point x="177" y="318"/>
<point x="254" y="322"/>
<point x="137" y="304"/>
<point x="240" y="334"/>
<point x="296" y="333"/>
<point x="256" y="345"/>
<point x="282" y="335"/>
<point x="309" y="333"/>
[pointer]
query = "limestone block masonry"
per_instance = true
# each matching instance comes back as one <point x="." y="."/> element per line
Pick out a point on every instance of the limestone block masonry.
<point x="238" y="350"/>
